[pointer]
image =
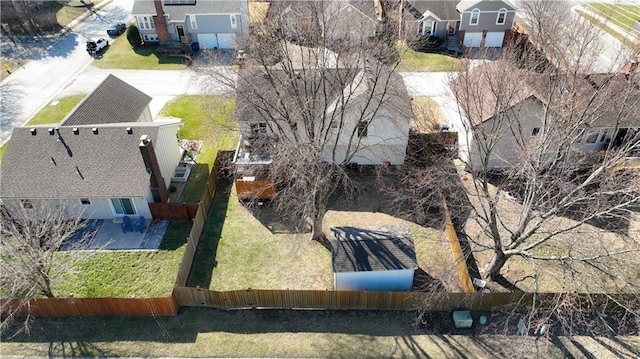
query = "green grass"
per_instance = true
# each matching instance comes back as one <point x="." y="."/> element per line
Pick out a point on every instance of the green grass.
<point x="207" y="118"/>
<point x="429" y="115"/>
<point x="248" y="255"/>
<point x="203" y="332"/>
<point x="55" y="111"/>
<point x="421" y="61"/>
<point x="50" y="114"/>
<point x="120" y="55"/>
<point x="630" y="44"/>
<point x="126" y="273"/>
<point x="624" y="16"/>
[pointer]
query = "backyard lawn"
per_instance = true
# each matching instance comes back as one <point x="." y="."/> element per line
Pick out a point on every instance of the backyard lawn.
<point x="428" y="114"/>
<point x="144" y="273"/>
<point x="206" y="118"/>
<point x="415" y="61"/>
<point x="585" y="241"/>
<point x="251" y="248"/>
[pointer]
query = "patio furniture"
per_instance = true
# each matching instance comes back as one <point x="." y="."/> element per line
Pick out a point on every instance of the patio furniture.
<point x="142" y="223"/>
<point x="126" y="224"/>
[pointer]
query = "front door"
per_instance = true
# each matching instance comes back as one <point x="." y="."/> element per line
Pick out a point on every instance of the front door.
<point x="180" y="30"/>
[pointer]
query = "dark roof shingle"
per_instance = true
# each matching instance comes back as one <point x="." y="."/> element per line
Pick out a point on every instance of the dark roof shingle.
<point x="361" y="250"/>
<point x="105" y="104"/>
<point x="106" y="164"/>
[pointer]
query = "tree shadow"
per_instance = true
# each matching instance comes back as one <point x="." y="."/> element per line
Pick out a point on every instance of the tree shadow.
<point x="424" y="282"/>
<point x="77" y="350"/>
<point x="10" y="98"/>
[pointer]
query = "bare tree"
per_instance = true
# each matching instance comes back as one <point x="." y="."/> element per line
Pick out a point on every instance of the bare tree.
<point x="31" y="262"/>
<point x="313" y="98"/>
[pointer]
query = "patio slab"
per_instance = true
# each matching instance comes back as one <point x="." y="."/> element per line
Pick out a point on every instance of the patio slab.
<point x="108" y="235"/>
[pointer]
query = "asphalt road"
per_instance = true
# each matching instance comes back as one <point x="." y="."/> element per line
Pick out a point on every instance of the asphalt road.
<point x="53" y="63"/>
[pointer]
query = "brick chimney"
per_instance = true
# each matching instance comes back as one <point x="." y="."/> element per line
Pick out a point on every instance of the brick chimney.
<point x="158" y="188"/>
<point x="160" y="23"/>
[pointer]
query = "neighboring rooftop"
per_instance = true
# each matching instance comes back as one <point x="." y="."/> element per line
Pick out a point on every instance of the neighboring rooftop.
<point x="178" y="11"/>
<point x="442" y="9"/>
<point x="71" y="162"/>
<point x="105" y="105"/>
<point x="360" y="250"/>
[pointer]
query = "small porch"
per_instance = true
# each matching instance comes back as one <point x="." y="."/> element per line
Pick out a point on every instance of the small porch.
<point x="101" y="234"/>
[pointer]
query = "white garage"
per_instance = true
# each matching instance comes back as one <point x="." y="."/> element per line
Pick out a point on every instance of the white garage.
<point x="472" y="39"/>
<point x="494" y="39"/>
<point x="227" y="41"/>
<point x="217" y="41"/>
<point x="208" y="41"/>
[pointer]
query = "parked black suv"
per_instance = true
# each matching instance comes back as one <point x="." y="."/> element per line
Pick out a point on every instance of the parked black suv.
<point x="116" y="28"/>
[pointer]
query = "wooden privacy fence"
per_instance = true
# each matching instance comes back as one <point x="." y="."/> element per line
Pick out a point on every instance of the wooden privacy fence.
<point x="357" y="300"/>
<point x="185" y="211"/>
<point x="450" y="235"/>
<point x="88" y="307"/>
<point x="222" y="159"/>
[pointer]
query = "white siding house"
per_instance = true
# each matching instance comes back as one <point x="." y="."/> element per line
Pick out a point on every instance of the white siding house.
<point x="93" y="162"/>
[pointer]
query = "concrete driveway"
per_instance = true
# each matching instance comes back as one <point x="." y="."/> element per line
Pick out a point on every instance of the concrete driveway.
<point x="52" y="63"/>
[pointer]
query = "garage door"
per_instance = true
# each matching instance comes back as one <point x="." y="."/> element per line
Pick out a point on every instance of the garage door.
<point x="472" y="39"/>
<point x="494" y="39"/>
<point x="227" y="41"/>
<point x="208" y="41"/>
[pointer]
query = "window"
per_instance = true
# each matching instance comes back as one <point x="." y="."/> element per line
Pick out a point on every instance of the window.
<point x="475" y="17"/>
<point x="536" y="131"/>
<point x="592" y="137"/>
<point x="502" y="17"/>
<point x="85" y="201"/>
<point x="363" y="127"/>
<point x="26" y="204"/>
<point x="146" y="22"/>
<point x="427" y="28"/>
<point x="194" y="23"/>
<point x="234" y="22"/>
<point x="604" y="136"/>
<point x="123" y="206"/>
<point x="258" y="128"/>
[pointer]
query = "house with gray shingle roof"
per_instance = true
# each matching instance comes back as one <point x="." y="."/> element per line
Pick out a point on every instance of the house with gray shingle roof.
<point x="104" y="164"/>
<point x="373" y="259"/>
<point x="212" y="24"/>
<point x="475" y="23"/>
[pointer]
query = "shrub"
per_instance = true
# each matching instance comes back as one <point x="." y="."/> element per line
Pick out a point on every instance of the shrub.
<point x="423" y="43"/>
<point x="133" y="36"/>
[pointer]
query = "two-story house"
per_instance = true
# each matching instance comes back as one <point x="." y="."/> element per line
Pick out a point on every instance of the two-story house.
<point x="510" y="114"/>
<point x="211" y="24"/>
<point x="476" y="23"/>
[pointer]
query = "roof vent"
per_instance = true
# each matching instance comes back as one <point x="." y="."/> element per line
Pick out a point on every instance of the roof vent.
<point x="129" y="130"/>
<point x="50" y="130"/>
<point x="94" y="130"/>
<point x="76" y="131"/>
<point x="33" y="131"/>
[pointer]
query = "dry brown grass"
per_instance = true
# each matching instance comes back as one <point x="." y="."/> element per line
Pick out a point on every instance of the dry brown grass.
<point x="429" y="115"/>
<point x="552" y="276"/>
